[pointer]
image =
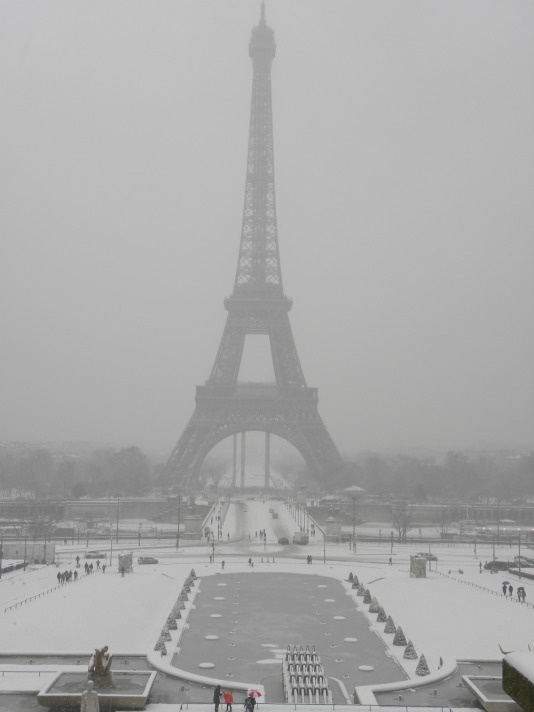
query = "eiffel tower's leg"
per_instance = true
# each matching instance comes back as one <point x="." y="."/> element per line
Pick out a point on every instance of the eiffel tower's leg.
<point x="234" y="463"/>
<point x="243" y="460"/>
<point x="287" y="368"/>
<point x="183" y="456"/>
<point x="267" y="458"/>
<point x="226" y="367"/>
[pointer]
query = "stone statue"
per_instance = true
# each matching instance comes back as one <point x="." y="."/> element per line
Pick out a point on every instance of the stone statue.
<point x="90" y="699"/>
<point x="100" y="662"/>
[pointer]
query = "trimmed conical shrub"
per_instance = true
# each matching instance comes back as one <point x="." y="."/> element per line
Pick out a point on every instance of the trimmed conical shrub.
<point x="354" y="584"/>
<point x="193" y="574"/>
<point x="374" y="607"/>
<point x="381" y="617"/>
<point x="355" y="580"/>
<point x="422" y="667"/>
<point x="399" y="638"/>
<point x="163" y="649"/>
<point x="361" y="591"/>
<point x="159" y="644"/>
<point x="409" y="652"/>
<point x="367" y="596"/>
<point x="171" y="623"/>
<point x="351" y="577"/>
<point x="390" y="626"/>
<point x="165" y="635"/>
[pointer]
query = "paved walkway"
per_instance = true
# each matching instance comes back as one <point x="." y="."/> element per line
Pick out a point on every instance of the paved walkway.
<point x="251" y="617"/>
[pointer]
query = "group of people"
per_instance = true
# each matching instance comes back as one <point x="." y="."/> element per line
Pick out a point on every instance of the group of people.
<point x="508" y="590"/>
<point x="228" y="697"/>
<point x="66" y="576"/>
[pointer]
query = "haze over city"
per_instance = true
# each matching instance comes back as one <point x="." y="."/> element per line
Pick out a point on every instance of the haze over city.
<point x="403" y="164"/>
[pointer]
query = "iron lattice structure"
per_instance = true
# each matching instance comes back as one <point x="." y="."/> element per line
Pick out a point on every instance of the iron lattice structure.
<point x="258" y="305"/>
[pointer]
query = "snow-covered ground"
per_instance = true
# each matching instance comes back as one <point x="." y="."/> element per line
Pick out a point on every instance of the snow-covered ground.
<point x="449" y="615"/>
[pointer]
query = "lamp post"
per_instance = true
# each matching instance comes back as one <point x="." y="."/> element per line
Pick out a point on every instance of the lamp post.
<point x="25" y="542"/>
<point x="118" y="509"/>
<point x="353" y="523"/>
<point x="178" y="525"/>
<point x="519" y="540"/>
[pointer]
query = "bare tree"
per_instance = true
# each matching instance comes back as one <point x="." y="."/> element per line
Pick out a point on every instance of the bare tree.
<point x="402" y="516"/>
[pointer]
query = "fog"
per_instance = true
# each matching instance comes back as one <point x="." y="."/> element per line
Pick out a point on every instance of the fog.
<point x="404" y="178"/>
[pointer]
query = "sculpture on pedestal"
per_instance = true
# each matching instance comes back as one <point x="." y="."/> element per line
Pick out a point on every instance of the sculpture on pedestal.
<point x="89" y="699"/>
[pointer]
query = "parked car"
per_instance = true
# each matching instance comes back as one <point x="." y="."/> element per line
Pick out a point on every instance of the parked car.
<point x="283" y="540"/>
<point x="427" y="556"/>
<point x="95" y="555"/>
<point x="147" y="560"/>
<point x="496" y="565"/>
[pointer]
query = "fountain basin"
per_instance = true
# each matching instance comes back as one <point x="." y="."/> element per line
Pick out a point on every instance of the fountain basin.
<point x="126" y="690"/>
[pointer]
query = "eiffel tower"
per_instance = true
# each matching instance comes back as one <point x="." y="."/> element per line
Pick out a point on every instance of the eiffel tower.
<point x="224" y="406"/>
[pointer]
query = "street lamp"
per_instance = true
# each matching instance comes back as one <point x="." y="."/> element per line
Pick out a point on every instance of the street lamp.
<point x="353" y="523"/>
<point x="118" y="508"/>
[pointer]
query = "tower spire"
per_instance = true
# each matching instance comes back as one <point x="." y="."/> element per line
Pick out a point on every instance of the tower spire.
<point x="258" y="267"/>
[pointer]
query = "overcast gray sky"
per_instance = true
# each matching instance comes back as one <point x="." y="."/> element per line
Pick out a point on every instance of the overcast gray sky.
<point x="404" y="160"/>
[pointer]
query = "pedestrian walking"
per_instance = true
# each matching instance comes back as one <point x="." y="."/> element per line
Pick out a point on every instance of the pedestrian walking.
<point x="390" y="561"/>
<point x="510" y="590"/>
<point x="217" y="697"/>
<point x="222" y="564"/>
<point x="504" y="589"/>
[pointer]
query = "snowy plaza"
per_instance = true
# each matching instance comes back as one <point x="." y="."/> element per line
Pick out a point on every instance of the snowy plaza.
<point x="241" y="615"/>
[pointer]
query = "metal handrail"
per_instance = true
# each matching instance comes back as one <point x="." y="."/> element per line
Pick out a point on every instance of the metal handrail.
<point x="44" y="593"/>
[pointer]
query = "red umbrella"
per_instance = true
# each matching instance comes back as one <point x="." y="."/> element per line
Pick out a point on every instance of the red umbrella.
<point x="254" y="693"/>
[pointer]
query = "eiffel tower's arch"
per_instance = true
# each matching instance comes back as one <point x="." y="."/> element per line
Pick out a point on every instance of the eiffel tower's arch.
<point x="257" y="305"/>
<point x="240" y="440"/>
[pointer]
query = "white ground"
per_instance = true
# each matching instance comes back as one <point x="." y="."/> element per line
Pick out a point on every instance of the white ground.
<point x="453" y="616"/>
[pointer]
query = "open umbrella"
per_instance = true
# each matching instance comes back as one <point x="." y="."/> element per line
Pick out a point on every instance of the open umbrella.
<point x="506" y="583"/>
<point x="520" y="588"/>
<point x="254" y="693"/>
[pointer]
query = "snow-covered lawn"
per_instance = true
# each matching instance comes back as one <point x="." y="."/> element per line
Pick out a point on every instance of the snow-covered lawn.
<point x="100" y="609"/>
